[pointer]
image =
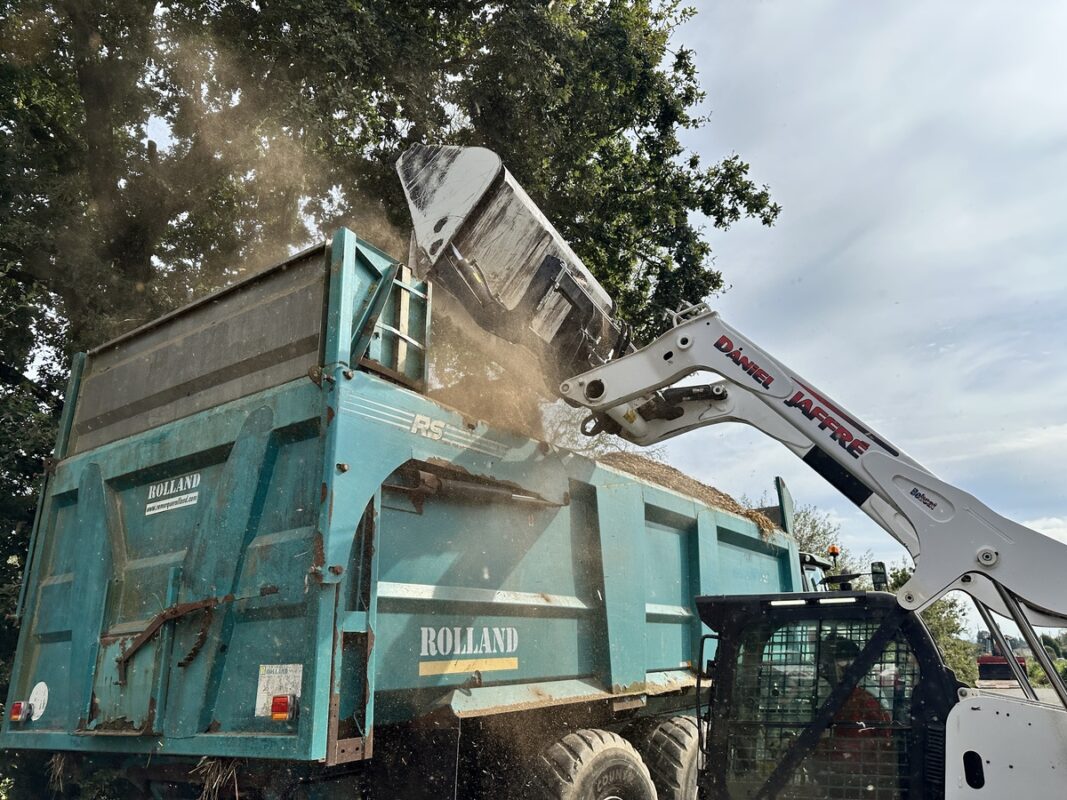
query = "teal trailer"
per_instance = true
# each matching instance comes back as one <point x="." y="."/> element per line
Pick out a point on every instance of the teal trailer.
<point x="260" y="540"/>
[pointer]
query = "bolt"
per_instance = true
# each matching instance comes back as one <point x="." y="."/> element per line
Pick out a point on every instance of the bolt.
<point x="966" y="579"/>
<point x="987" y="556"/>
<point x="564" y="388"/>
<point x="348" y="374"/>
<point x="336" y="569"/>
<point x="342" y="467"/>
<point x="909" y="597"/>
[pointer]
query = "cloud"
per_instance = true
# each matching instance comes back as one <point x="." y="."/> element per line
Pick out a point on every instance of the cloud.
<point x="1056" y="527"/>
<point x="917" y="272"/>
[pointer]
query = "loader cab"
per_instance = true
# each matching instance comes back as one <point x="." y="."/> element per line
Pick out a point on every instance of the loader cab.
<point x="823" y="696"/>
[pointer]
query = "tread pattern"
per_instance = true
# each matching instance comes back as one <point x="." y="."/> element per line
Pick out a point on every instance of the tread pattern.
<point x="558" y="768"/>
<point x="670" y="748"/>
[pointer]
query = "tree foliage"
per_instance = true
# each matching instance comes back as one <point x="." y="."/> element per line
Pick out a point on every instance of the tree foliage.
<point x="1051" y="645"/>
<point x="946" y="620"/>
<point x="815" y="531"/>
<point x="153" y="151"/>
<point x="158" y="149"/>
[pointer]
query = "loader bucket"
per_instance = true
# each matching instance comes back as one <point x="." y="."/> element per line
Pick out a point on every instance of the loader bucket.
<point x="479" y="236"/>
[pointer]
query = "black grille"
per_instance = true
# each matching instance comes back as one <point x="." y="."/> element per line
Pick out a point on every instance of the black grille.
<point x="784" y="675"/>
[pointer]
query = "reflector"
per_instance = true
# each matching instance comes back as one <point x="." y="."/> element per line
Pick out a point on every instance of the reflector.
<point x="20" y="711"/>
<point x="283" y="707"/>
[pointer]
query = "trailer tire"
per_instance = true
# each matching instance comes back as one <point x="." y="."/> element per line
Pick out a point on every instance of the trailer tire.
<point x="671" y="749"/>
<point x="592" y="764"/>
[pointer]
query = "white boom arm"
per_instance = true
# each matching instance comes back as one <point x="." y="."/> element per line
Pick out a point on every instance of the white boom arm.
<point x="957" y="542"/>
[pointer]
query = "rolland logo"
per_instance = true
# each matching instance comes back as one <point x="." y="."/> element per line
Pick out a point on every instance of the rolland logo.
<point x="173" y="486"/>
<point x="468" y="641"/>
<point x="172" y="494"/>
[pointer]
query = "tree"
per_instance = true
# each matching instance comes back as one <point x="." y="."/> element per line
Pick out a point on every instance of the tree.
<point x="815" y="531"/>
<point x="159" y="149"/>
<point x="1051" y="645"/>
<point x="945" y="619"/>
<point x="28" y="409"/>
<point x="154" y="151"/>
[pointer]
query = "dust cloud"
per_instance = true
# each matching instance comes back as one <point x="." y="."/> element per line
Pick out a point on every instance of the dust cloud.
<point x="482" y="375"/>
<point x="506" y="385"/>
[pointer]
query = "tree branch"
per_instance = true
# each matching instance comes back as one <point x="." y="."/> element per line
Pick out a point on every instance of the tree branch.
<point x="15" y="379"/>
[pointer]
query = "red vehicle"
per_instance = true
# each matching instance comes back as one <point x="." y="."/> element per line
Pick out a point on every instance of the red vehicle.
<point x="993" y="667"/>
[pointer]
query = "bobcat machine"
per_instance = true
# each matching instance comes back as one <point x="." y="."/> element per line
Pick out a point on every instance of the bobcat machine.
<point x="813" y="695"/>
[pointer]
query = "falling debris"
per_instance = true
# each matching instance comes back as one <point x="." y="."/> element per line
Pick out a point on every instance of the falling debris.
<point x="219" y="776"/>
<point x="482" y="375"/>
<point x="58" y="766"/>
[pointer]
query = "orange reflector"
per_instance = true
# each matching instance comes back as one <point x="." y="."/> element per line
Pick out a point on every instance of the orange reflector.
<point x="283" y="707"/>
<point x="20" y="711"/>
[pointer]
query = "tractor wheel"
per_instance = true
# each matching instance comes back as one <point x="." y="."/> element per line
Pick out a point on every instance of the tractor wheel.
<point x="671" y="749"/>
<point x="592" y="765"/>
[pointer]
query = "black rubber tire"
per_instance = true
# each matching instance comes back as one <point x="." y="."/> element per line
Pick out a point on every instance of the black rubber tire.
<point x="671" y="749"/>
<point x="592" y="764"/>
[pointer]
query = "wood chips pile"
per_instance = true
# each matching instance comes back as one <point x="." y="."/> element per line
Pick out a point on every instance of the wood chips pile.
<point x="663" y="475"/>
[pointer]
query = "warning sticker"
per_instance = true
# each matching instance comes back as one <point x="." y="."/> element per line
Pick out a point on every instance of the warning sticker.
<point x="275" y="679"/>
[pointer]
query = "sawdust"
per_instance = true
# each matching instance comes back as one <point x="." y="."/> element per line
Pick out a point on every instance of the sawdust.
<point x="671" y="478"/>
<point x="482" y="375"/>
<point x="219" y="776"/>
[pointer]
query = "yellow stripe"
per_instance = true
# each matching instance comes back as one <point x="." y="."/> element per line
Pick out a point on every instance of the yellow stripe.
<point x="466" y="665"/>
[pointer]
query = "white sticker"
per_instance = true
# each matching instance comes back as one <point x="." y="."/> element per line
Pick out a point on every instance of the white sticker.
<point x="38" y="700"/>
<point x="275" y="679"/>
<point x="164" y="496"/>
<point x="171" y="503"/>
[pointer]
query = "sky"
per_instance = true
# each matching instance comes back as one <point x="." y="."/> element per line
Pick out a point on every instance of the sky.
<point x="918" y="271"/>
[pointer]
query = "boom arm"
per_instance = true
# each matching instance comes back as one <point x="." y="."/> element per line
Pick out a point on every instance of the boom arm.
<point x="956" y="541"/>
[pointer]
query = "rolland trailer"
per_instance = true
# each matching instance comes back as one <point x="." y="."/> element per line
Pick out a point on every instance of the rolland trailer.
<point x="263" y="557"/>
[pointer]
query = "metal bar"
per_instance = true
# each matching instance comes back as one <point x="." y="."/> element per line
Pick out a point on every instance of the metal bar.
<point x="702" y="672"/>
<point x="433" y="485"/>
<point x="176" y="612"/>
<point x="371" y="365"/>
<point x="1005" y="649"/>
<point x="404" y="338"/>
<point x="157" y="622"/>
<point x="1027" y="630"/>
<point x="70" y="402"/>
<point x="403" y="312"/>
